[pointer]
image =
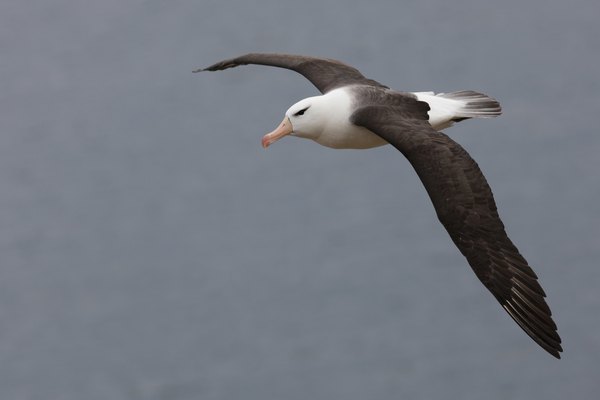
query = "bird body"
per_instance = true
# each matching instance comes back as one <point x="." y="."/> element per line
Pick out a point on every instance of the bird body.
<point x="357" y="112"/>
<point x="329" y="120"/>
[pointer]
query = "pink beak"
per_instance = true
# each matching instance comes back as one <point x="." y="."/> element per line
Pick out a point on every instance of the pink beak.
<point x="284" y="129"/>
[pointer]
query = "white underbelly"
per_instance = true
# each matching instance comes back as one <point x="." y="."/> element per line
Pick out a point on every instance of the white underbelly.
<point x="350" y="136"/>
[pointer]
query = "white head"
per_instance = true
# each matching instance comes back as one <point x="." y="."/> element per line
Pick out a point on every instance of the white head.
<point x="306" y="119"/>
<point x="325" y="119"/>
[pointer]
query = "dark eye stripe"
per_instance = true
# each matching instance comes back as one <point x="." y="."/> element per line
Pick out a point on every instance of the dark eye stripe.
<point x="301" y="112"/>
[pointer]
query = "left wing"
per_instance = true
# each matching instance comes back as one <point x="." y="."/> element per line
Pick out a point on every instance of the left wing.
<point x="465" y="206"/>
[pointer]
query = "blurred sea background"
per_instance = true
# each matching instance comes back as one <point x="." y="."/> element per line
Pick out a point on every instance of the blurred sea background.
<point x="151" y="249"/>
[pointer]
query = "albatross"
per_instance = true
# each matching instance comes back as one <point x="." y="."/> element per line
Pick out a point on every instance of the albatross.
<point x="354" y="112"/>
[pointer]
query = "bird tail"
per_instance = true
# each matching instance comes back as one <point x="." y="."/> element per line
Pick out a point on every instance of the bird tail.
<point x="470" y="104"/>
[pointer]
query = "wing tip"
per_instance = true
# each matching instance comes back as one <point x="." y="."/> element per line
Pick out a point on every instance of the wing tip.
<point x="215" y="67"/>
<point x="554" y="351"/>
<point x="547" y="339"/>
<point x="221" y="65"/>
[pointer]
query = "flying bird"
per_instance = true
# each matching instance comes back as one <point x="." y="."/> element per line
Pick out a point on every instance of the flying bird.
<point x="359" y="113"/>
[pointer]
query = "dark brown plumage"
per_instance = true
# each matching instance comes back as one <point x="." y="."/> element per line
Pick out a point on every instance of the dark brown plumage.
<point x="465" y="206"/>
<point x="325" y="74"/>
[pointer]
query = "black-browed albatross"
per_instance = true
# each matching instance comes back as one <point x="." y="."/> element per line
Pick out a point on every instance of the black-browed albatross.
<point x="359" y="113"/>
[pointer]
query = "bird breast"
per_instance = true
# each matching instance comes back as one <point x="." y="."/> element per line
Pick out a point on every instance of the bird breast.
<point x="338" y="132"/>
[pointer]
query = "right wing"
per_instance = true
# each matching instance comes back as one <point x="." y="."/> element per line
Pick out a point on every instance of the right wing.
<point x="325" y="74"/>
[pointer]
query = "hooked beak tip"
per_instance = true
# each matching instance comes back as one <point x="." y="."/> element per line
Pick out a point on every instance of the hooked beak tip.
<point x="284" y="129"/>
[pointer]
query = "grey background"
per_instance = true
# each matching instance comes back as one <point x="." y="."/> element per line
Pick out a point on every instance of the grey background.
<point x="151" y="249"/>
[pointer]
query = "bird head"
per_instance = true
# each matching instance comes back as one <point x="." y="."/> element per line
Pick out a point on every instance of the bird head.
<point x="304" y="119"/>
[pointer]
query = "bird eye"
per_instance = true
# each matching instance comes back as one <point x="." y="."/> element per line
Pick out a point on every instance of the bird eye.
<point x="301" y="112"/>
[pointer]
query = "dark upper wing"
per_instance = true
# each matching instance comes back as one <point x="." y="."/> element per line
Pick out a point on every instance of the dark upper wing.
<point x="465" y="206"/>
<point x="325" y="74"/>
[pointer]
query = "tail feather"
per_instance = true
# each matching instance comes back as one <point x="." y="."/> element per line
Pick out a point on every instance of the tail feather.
<point x="474" y="104"/>
<point x="447" y="108"/>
